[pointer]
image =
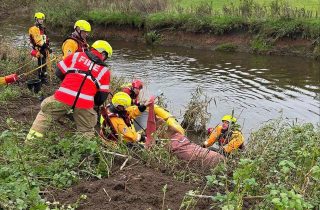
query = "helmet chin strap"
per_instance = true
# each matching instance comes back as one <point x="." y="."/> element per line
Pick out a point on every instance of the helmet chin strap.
<point x="79" y="32"/>
<point x="37" y="22"/>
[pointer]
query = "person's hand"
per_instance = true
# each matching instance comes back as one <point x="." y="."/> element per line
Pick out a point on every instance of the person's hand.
<point x="150" y="101"/>
<point x="143" y="138"/>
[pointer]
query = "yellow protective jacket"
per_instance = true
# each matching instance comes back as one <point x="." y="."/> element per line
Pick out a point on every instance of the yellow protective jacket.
<point x="120" y="126"/>
<point x="230" y="144"/>
<point x="69" y="47"/>
<point x="73" y="44"/>
<point x="38" y="37"/>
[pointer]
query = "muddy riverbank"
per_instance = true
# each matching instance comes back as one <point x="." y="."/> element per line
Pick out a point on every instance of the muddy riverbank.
<point x="232" y="42"/>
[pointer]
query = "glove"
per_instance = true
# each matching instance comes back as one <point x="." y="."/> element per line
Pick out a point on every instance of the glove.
<point x="142" y="108"/>
<point x="35" y="53"/>
<point x="204" y="144"/>
<point x="143" y="138"/>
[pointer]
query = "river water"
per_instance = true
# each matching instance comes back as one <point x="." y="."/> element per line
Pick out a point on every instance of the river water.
<point x="258" y="88"/>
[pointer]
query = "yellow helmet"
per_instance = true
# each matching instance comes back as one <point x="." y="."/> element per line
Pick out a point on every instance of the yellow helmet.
<point x="83" y="25"/>
<point x="229" y="118"/>
<point x="122" y="99"/>
<point x="101" y="46"/>
<point x="39" y="15"/>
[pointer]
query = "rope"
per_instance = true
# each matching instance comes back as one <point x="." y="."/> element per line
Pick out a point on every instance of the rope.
<point x="49" y="66"/>
<point x="23" y="65"/>
<point x="33" y="70"/>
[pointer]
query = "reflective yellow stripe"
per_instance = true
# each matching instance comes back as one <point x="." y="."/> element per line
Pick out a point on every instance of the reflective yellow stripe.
<point x="33" y="134"/>
<point x="2" y="81"/>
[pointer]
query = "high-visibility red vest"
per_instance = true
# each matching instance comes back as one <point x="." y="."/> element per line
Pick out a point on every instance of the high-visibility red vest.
<point x="77" y="64"/>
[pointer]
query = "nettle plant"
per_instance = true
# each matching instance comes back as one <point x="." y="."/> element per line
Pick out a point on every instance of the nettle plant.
<point x="280" y="169"/>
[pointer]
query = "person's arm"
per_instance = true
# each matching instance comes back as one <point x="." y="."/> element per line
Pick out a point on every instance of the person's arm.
<point x="213" y="137"/>
<point x="237" y="139"/>
<point x="104" y="89"/>
<point x="135" y="111"/>
<point x="100" y="97"/>
<point x="59" y="74"/>
<point x="127" y="133"/>
<point x="63" y="66"/>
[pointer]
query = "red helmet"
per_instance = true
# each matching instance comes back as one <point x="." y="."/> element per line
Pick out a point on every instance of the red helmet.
<point x="137" y="84"/>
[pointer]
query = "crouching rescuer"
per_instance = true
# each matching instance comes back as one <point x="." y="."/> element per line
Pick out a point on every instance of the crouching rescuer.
<point x="117" y="119"/>
<point x="227" y="135"/>
<point x="85" y="83"/>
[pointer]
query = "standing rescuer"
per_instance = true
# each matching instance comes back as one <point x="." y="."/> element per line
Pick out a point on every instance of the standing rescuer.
<point x="85" y="83"/>
<point x="77" y="41"/>
<point x="40" y="44"/>
<point x="227" y="135"/>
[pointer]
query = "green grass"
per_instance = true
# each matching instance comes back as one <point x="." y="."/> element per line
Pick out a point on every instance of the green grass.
<point x="313" y="5"/>
<point x="9" y="93"/>
<point x="115" y="18"/>
<point x="275" y="18"/>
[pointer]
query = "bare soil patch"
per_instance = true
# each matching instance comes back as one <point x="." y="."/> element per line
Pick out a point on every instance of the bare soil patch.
<point x="135" y="187"/>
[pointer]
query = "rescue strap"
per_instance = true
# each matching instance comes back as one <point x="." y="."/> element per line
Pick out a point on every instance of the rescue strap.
<point x="106" y="122"/>
<point x="82" y="83"/>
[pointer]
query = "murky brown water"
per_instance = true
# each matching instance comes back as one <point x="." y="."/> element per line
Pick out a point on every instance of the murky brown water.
<point x="257" y="88"/>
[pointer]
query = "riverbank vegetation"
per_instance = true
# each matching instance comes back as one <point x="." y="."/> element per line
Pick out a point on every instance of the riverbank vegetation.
<point x="276" y="18"/>
<point x="279" y="168"/>
<point x="266" y="21"/>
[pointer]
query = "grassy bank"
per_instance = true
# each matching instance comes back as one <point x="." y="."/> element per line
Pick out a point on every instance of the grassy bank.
<point x="266" y="22"/>
<point x="271" y="18"/>
<point x="279" y="169"/>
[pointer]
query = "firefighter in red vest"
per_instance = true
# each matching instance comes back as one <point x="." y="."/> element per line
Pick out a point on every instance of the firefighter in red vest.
<point x="40" y="44"/>
<point x="85" y="83"/>
<point x="77" y="41"/>
<point x="117" y="119"/>
<point x="227" y="135"/>
<point x="133" y="90"/>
